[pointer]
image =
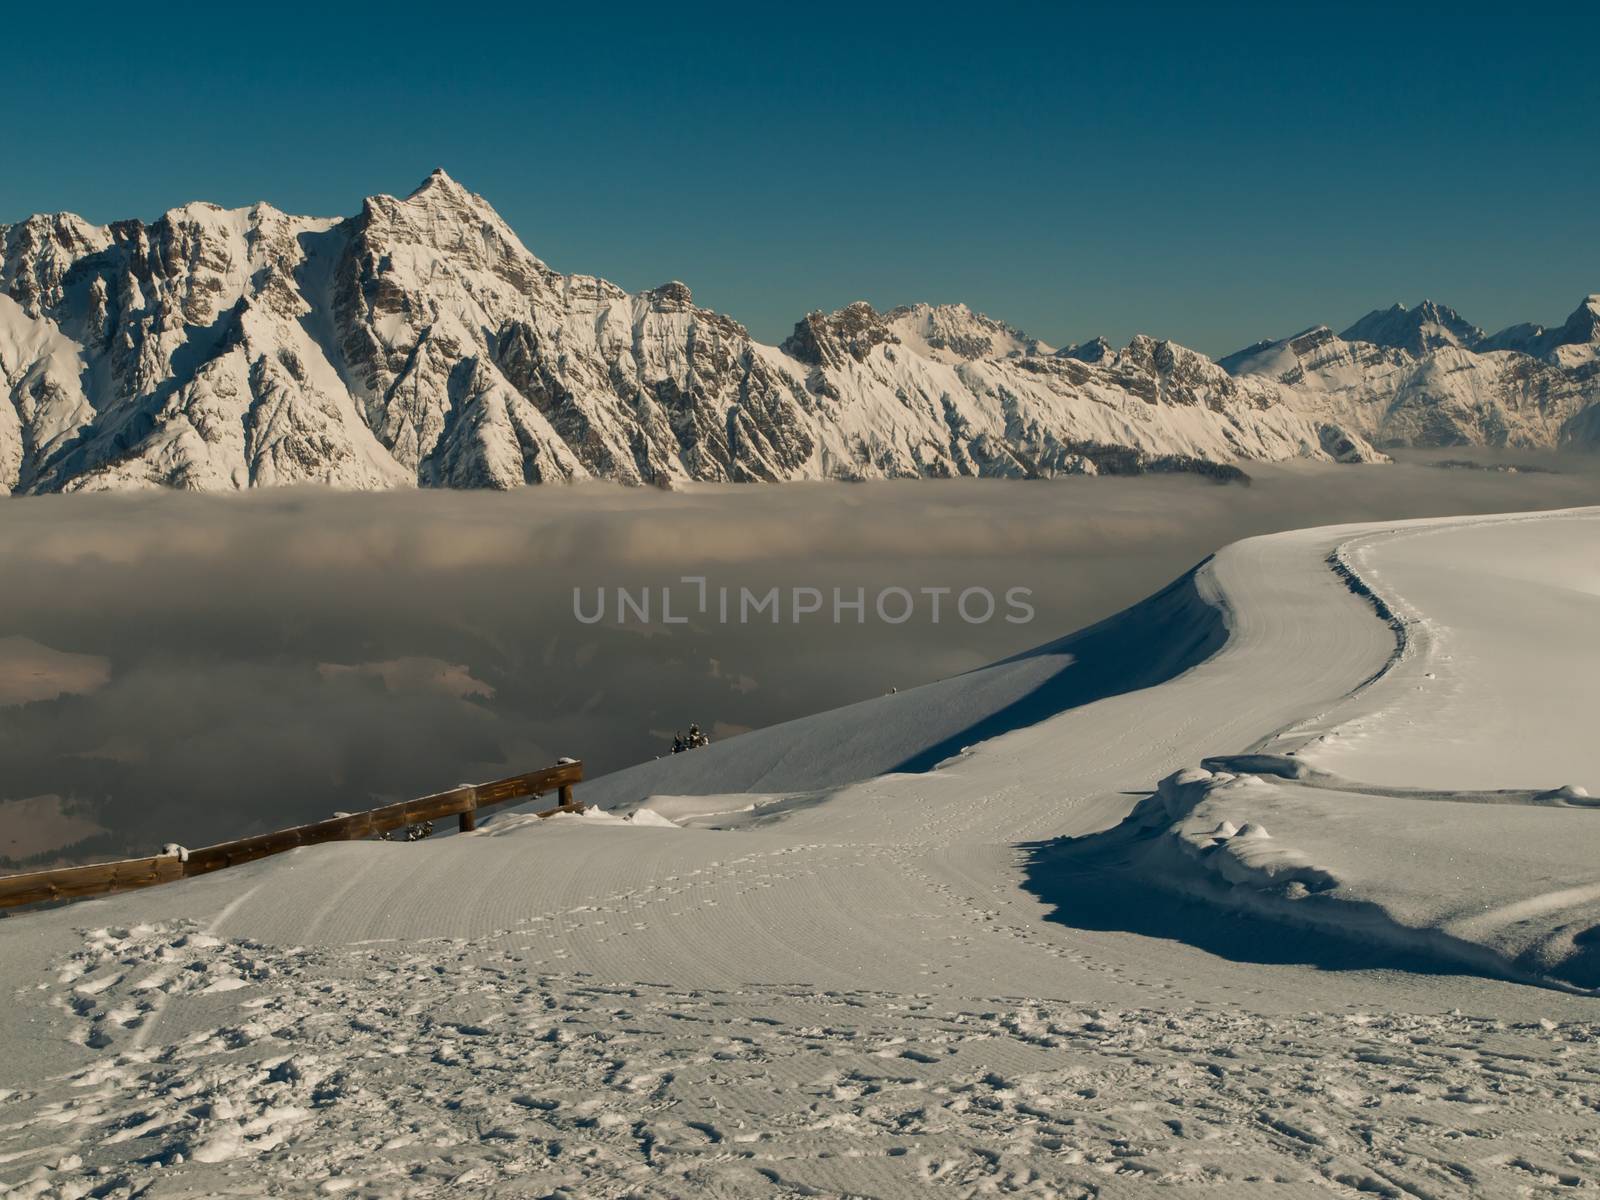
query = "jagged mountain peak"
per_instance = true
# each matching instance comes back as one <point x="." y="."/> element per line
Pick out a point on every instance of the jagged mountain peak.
<point x="1580" y="329"/>
<point x="1428" y="326"/>
<point x="37" y="252"/>
<point x="441" y="226"/>
<point x="1095" y="350"/>
<point x="67" y="227"/>
<point x="419" y="342"/>
<point x="1143" y="350"/>
<point x="203" y="219"/>
<point x="439" y="182"/>
<point x="1165" y="355"/>
<point x="1584" y="323"/>
<point x="956" y="333"/>
<point x="442" y="195"/>
<point x="828" y="339"/>
<point x="201" y="210"/>
<point x="672" y="296"/>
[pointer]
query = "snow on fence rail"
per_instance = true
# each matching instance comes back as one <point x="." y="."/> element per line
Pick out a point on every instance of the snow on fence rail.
<point x="99" y="878"/>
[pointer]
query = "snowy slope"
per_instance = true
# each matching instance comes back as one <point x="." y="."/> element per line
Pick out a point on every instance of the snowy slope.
<point x="420" y="343"/>
<point x="954" y="333"/>
<point x="1028" y="969"/>
<point x="1466" y="666"/>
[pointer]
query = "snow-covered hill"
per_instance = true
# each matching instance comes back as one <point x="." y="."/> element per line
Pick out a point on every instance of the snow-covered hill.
<point x="1228" y="895"/>
<point x="420" y="343"/>
<point x="1426" y="377"/>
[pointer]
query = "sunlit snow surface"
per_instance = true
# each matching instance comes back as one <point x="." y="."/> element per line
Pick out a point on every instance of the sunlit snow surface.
<point x="1027" y="970"/>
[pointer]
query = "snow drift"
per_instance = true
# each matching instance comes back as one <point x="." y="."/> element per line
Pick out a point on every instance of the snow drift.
<point x="883" y="984"/>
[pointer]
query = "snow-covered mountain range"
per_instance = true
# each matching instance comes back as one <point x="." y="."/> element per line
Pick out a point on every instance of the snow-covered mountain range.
<point x="1424" y="376"/>
<point x="420" y="343"/>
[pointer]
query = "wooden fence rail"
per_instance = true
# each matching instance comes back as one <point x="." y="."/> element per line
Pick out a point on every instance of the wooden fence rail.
<point x="463" y="802"/>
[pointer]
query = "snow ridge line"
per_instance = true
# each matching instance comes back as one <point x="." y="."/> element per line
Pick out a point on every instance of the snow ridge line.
<point x="1405" y="630"/>
<point x="1413" y="634"/>
<point x="1340" y="564"/>
<point x="1410" y="628"/>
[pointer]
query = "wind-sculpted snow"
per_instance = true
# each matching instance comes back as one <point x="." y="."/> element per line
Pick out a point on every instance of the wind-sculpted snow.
<point x="1014" y="971"/>
<point x="420" y="343"/>
<point x="1496" y="882"/>
<point x="1425" y="842"/>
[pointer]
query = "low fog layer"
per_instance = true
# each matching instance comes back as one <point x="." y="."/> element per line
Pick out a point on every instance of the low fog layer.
<point x="189" y="668"/>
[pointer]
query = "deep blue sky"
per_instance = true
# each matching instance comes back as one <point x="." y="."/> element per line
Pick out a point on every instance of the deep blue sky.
<point x="1208" y="173"/>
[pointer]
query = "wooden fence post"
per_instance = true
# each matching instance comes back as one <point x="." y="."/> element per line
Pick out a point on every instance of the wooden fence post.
<point x="67" y="883"/>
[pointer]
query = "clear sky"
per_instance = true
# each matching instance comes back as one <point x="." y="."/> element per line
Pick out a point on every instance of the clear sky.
<point x="1208" y="173"/>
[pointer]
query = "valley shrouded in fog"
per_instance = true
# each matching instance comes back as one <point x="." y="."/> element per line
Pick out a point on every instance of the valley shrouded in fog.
<point x="1279" y="880"/>
<point x="194" y="668"/>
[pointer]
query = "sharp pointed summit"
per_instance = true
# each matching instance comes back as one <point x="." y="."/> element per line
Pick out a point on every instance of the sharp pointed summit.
<point x="420" y="343"/>
<point x="438" y="179"/>
<point x="1426" y="327"/>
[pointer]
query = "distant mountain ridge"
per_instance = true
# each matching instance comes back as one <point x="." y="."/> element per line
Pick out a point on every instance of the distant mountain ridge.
<point x="1426" y="327"/>
<point x="419" y="343"/>
<point x="1425" y="376"/>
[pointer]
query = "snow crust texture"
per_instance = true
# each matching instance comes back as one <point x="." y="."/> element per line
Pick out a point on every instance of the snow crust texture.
<point x="419" y="343"/>
<point x="446" y="1067"/>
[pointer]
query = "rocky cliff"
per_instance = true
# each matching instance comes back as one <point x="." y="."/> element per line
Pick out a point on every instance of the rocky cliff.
<point x="419" y="343"/>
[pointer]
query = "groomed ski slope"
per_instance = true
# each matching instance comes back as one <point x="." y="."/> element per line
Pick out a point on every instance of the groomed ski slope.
<point x="1027" y="969"/>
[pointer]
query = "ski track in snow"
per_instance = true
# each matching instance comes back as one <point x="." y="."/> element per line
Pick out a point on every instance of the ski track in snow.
<point x="857" y="995"/>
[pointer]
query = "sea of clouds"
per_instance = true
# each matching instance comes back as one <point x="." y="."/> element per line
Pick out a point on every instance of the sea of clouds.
<point x="189" y="668"/>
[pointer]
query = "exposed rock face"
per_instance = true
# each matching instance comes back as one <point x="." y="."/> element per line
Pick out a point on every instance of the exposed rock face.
<point x="420" y="343"/>
<point x="1425" y="377"/>
<point x="1574" y="345"/>
<point x="827" y="339"/>
<point x="1097" y="350"/>
<point x="1418" y="330"/>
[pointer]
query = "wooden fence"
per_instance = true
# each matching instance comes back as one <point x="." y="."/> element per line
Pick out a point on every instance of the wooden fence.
<point x="463" y="802"/>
